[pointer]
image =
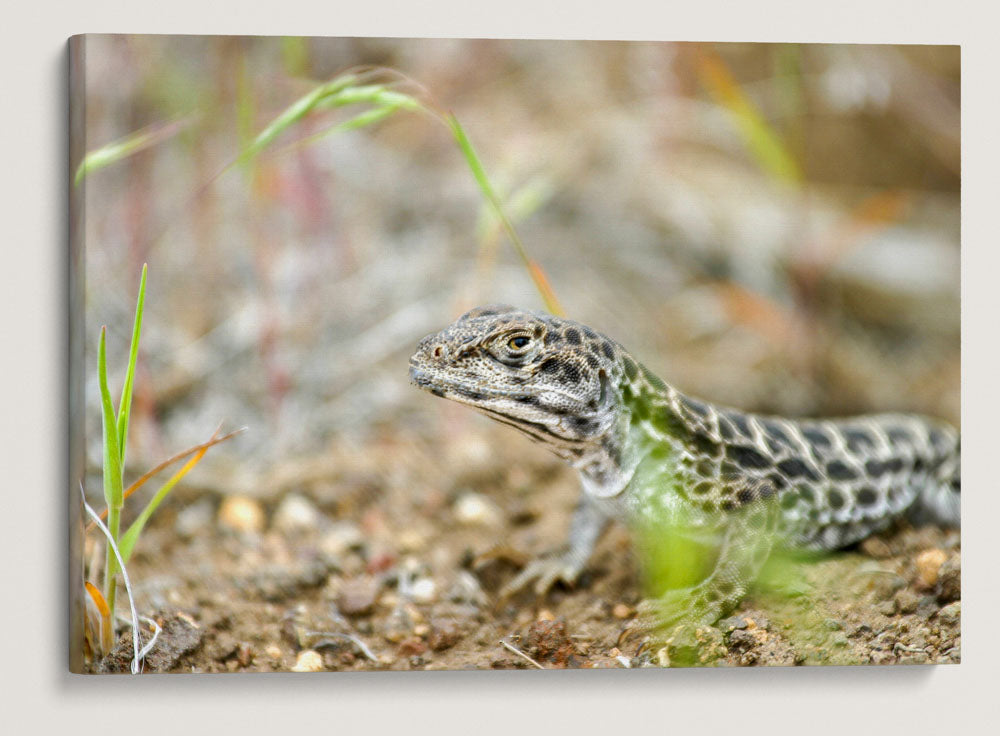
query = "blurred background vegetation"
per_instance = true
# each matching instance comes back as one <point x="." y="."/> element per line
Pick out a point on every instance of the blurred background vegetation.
<point x="772" y="226"/>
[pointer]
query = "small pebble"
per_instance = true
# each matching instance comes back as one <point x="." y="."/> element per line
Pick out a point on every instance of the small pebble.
<point x="621" y="611"/>
<point x="949" y="584"/>
<point x="411" y="646"/>
<point x="296" y="514"/>
<point x="732" y="623"/>
<point x="423" y="590"/>
<point x="445" y="633"/>
<point x="309" y="660"/>
<point x="273" y="651"/>
<point x="545" y="615"/>
<point x="951" y="614"/>
<point x="880" y="657"/>
<point x="241" y="514"/>
<point x="887" y="608"/>
<point x="928" y="565"/>
<point x="244" y="654"/>
<point x="474" y="508"/>
<point x="411" y="540"/>
<point x="339" y="538"/>
<point x="357" y="596"/>
<point x="907" y="601"/>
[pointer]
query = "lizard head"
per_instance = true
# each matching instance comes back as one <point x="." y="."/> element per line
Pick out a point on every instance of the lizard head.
<point x="553" y="379"/>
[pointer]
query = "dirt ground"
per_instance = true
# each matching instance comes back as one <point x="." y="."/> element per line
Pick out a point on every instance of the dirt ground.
<point x="366" y="567"/>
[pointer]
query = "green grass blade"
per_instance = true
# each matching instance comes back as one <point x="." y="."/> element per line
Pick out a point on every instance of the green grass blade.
<point x="338" y="92"/>
<point x="368" y="117"/>
<point x="372" y="94"/>
<point x="130" y="537"/>
<point x="293" y="114"/>
<point x="127" y="146"/>
<point x="125" y="405"/>
<point x="112" y="456"/>
<point x="763" y="142"/>
<point x="112" y="470"/>
<point x="479" y="173"/>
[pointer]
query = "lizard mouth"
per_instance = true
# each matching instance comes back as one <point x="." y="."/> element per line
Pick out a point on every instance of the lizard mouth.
<point x="459" y="391"/>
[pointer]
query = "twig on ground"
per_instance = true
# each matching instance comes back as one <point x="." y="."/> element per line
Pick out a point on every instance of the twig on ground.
<point x="330" y="635"/>
<point x="519" y="653"/>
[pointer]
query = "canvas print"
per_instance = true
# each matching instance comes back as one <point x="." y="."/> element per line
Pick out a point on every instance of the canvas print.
<point x="424" y="354"/>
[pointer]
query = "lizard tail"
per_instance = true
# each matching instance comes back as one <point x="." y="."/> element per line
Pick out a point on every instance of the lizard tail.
<point x="940" y="500"/>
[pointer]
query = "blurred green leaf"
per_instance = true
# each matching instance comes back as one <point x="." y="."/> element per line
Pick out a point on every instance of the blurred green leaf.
<point x="128" y="146"/>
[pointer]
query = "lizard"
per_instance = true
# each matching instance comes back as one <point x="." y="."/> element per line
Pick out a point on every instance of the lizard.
<point x="664" y="462"/>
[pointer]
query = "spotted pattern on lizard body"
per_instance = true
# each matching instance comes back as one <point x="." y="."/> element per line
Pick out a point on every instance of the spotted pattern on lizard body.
<point x="647" y="454"/>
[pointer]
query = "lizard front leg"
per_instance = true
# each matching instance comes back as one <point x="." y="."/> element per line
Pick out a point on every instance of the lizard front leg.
<point x="566" y="563"/>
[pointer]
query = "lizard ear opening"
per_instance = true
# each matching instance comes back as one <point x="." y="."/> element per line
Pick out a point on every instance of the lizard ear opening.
<point x="602" y="376"/>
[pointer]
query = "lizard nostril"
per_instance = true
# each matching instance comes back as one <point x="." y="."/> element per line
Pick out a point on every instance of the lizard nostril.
<point x="437" y="352"/>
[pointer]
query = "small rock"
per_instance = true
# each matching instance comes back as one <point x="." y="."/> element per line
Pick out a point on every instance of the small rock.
<point x="907" y="601"/>
<point x="885" y="584"/>
<point x="357" y="596"/>
<point x="273" y="651"/>
<point x="881" y="657"/>
<point x="887" y="608"/>
<point x="244" y="654"/>
<point x="411" y="540"/>
<point x="833" y="624"/>
<point x="400" y="624"/>
<point x="840" y="640"/>
<point x="195" y="519"/>
<point x="741" y="638"/>
<point x="296" y="514"/>
<point x="621" y="611"/>
<point x="949" y="584"/>
<point x="951" y="614"/>
<point x="476" y="509"/>
<point x="445" y="633"/>
<point x="733" y="623"/>
<point x="928" y="565"/>
<point x="241" y="514"/>
<point x="338" y="540"/>
<point x="179" y="635"/>
<point x="423" y="590"/>
<point x="411" y="647"/>
<point x="860" y="630"/>
<point x="547" y="640"/>
<point x="546" y="615"/>
<point x="309" y="660"/>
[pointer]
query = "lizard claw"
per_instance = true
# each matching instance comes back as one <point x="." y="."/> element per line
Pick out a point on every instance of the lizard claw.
<point x="544" y="572"/>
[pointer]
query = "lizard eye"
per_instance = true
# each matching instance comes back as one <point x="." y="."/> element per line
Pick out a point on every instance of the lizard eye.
<point x="519" y="342"/>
